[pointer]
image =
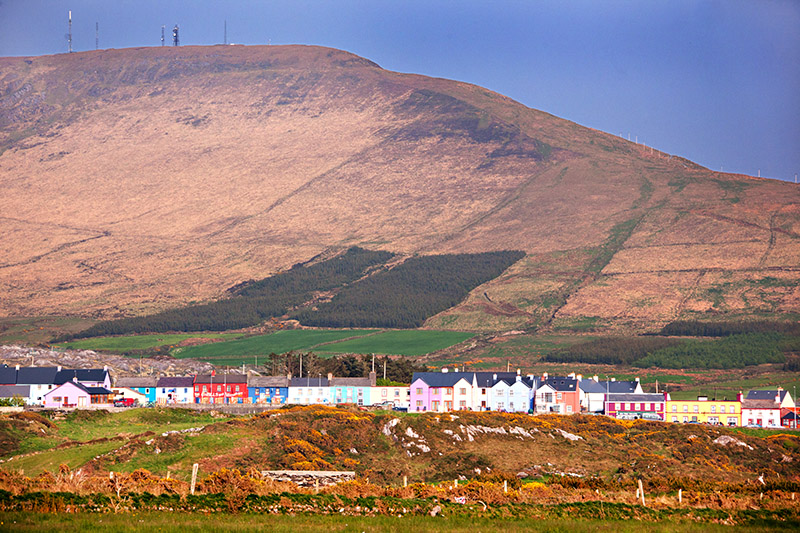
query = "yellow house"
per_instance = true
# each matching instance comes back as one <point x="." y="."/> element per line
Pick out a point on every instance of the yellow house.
<point x="705" y="411"/>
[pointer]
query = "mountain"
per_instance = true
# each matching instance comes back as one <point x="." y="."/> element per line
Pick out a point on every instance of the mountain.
<point x="142" y="179"/>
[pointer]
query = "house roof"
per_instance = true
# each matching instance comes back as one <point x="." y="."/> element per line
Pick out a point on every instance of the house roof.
<point x="8" y="375"/>
<point x="267" y="381"/>
<point x="81" y="386"/>
<point x="646" y="397"/>
<point x="9" y="391"/>
<point x="221" y="379"/>
<point x="591" y="386"/>
<point x="83" y="374"/>
<point x="176" y="381"/>
<point x="443" y="379"/>
<point x="37" y="375"/>
<point x="620" y="387"/>
<point x="138" y="382"/>
<point x="789" y="415"/>
<point x="351" y="382"/>
<point x="760" y="404"/>
<point x="309" y="381"/>
<point x="766" y="395"/>
<point x="562" y="384"/>
<point x="488" y="379"/>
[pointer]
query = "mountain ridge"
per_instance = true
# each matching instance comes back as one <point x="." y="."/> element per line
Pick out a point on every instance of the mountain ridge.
<point x="142" y="179"/>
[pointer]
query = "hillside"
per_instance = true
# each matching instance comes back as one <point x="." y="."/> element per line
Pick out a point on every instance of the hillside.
<point x="143" y="179"/>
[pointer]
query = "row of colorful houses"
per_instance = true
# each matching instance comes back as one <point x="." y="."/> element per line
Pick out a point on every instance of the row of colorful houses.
<point x="512" y="392"/>
<point x="54" y="387"/>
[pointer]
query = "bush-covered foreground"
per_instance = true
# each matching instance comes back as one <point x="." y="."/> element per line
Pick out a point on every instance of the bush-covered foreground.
<point x="243" y="498"/>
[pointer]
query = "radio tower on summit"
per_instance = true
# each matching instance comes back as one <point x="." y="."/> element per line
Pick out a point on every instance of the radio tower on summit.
<point x="175" y="40"/>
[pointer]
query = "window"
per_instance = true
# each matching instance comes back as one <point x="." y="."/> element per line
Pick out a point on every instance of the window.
<point x="569" y="408"/>
<point x="721" y="409"/>
<point x="435" y="390"/>
<point x="56" y="398"/>
<point x="462" y="391"/>
<point x="674" y="410"/>
<point x="219" y="388"/>
<point x="674" y="418"/>
<point x="227" y="388"/>
<point x="397" y="393"/>
<point x="383" y="393"/>
<point x="462" y="404"/>
<point x="448" y="391"/>
<point x="685" y="419"/>
<point x="419" y="403"/>
<point x="147" y="391"/>
<point x="500" y="405"/>
<point x="483" y="391"/>
<point x="695" y="408"/>
<point x="685" y="409"/>
<point x="558" y="397"/>
<point x="511" y="392"/>
<point x="694" y="419"/>
<point x="498" y="392"/>
<point x="419" y="390"/>
<point x="713" y="408"/>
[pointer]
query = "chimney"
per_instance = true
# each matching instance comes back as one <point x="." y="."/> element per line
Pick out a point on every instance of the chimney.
<point x="444" y="370"/>
<point x="17" y="368"/>
<point x="289" y="376"/>
<point x="637" y="379"/>
<point x="494" y="377"/>
<point x="531" y="377"/>
<point x="330" y="377"/>
<point x="571" y="375"/>
<point x="59" y="368"/>
<point x="739" y="397"/>
<point x="595" y="378"/>
<point x="518" y="372"/>
<point x="373" y="379"/>
<point x="544" y="376"/>
<point x="579" y="377"/>
<point x="613" y="379"/>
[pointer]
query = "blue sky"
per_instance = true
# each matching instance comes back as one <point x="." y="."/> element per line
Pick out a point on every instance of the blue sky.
<point x="717" y="82"/>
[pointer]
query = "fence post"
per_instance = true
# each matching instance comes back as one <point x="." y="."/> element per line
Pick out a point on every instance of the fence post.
<point x="680" y="495"/>
<point x="405" y="481"/>
<point x="505" y="485"/>
<point x="194" y="476"/>
<point x="641" y="491"/>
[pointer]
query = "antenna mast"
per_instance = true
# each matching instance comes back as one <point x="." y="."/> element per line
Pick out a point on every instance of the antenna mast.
<point x="175" y="40"/>
<point x="96" y="35"/>
<point x="69" y="33"/>
<point x="162" y="35"/>
<point x="225" y="38"/>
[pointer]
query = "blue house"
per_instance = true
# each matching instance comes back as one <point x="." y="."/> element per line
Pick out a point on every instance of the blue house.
<point x="145" y="386"/>
<point x="271" y="390"/>
<point x="352" y="390"/>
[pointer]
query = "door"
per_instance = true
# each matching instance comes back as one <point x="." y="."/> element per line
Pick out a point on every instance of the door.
<point x="81" y="401"/>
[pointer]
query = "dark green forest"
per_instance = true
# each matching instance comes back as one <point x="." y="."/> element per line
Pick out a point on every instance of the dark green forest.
<point x="405" y="296"/>
<point x="402" y="297"/>
<point x="694" y="328"/>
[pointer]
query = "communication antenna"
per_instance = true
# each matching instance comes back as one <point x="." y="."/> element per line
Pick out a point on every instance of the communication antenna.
<point x="69" y="33"/>
<point x="225" y="38"/>
<point x="175" y="40"/>
<point x="96" y="35"/>
<point x="162" y="35"/>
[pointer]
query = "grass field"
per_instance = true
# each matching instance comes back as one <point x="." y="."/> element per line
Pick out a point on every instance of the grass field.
<point x="242" y="350"/>
<point x="399" y="342"/>
<point x="151" y="521"/>
<point x="138" y="342"/>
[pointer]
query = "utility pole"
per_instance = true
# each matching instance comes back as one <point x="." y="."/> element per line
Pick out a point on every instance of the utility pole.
<point x="69" y="33"/>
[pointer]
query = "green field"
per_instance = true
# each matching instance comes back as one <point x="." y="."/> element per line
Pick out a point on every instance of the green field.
<point x="235" y="351"/>
<point x="399" y="342"/>
<point x="35" y="330"/>
<point x="138" y="342"/>
<point x="170" y="521"/>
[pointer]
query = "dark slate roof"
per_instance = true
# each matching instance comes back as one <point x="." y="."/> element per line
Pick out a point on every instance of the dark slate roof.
<point x="647" y="397"/>
<point x="591" y="386"/>
<point x="443" y="379"/>
<point x="488" y="379"/>
<point x="8" y="375"/>
<point x="177" y="381"/>
<point x="765" y="394"/>
<point x="98" y="390"/>
<point x="510" y="381"/>
<point x="37" y="375"/>
<point x="84" y="388"/>
<point x="137" y="382"/>
<point x="267" y="381"/>
<point x="9" y="391"/>
<point x="790" y="415"/>
<point x="83" y="374"/>
<point x="562" y="384"/>
<point x="309" y="382"/>
<point x="620" y="387"/>
<point x="221" y="378"/>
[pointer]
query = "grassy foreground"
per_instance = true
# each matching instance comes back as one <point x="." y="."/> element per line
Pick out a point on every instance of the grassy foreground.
<point x="155" y="521"/>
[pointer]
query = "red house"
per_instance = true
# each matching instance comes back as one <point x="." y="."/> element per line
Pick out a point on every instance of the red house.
<point x="226" y="388"/>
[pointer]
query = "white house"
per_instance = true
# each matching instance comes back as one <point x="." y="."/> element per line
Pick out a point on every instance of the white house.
<point x="177" y="389"/>
<point x="513" y="395"/>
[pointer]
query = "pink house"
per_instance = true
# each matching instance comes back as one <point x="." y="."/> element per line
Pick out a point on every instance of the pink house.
<point x="73" y="394"/>
<point x="441" y="392"/>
